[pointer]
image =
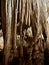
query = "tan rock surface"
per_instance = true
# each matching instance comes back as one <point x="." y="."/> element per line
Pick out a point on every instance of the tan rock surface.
<point x="1" y="40"/>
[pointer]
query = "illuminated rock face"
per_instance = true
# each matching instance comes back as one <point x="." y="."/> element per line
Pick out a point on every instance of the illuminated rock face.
<point x="1" y="43"/>
<point x="48" y="20"/>
<point x="1" y="40"/>
<point x="29" y="32"/>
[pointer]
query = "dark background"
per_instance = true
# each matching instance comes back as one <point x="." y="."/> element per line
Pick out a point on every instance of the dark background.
<point x="0" y="15"/>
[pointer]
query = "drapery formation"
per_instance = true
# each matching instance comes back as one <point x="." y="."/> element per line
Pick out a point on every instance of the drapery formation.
<point x="22" y="12"/>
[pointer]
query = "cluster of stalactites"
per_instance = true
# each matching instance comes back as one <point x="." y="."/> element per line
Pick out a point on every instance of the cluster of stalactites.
<point x="26" y="8"/>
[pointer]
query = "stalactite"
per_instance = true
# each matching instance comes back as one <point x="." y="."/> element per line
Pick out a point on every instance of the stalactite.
<point x="38" y="11"/>
<point x="27" y="12"/>
<point x="8" y="31"/>
<point x="21" y="22"/>
<point x="30" y="10"/>
<point x="20" y="6"/>
<point x="23" y="10"/>
<point x="15" y="28"/>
